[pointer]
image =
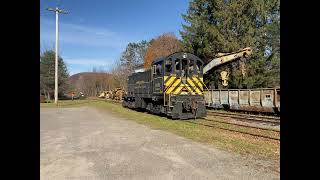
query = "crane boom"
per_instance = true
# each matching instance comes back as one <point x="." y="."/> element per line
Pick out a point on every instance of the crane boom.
<point x="227" y="57"/>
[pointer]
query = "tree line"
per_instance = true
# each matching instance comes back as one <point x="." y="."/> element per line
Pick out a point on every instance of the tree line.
<point x="214" y="26"/>
<point x="222" y="26"/>
<point x="210" y="27"/>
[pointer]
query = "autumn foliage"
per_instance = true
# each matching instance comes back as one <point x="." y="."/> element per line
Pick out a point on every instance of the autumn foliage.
<point x="163" y="45"/>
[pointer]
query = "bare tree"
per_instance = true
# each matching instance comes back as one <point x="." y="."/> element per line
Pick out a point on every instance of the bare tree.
<point x="120" y="74"/>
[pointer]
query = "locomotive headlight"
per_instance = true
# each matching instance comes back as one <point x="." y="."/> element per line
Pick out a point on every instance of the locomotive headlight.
<point x="184" y="55"/>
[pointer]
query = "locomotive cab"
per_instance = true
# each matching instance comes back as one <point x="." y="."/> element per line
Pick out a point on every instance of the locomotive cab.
<point x="178" y="78"/>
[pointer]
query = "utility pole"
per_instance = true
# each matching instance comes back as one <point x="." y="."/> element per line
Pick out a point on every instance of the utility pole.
<point x="57" y="11"/>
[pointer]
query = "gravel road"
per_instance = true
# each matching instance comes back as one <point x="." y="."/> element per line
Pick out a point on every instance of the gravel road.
<point x="84" y="143"/>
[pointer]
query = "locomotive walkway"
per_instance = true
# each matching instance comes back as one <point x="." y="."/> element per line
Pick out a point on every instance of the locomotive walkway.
<point x="84" y="143"/>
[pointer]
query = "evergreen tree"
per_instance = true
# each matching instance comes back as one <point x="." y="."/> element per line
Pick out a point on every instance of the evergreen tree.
<point x="214" y="26"/>
<point x="47" y="74"/>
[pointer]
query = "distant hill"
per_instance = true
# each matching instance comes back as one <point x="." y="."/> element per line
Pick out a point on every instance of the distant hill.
<point x="85" y="80"/>
<point x="76" y="78"/>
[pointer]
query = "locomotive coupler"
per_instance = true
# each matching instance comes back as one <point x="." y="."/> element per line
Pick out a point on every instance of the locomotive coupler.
<point x="194" y="108"/>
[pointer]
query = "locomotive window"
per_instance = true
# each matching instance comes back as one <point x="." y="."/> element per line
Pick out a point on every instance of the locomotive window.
<point x="158" y="69"/>
<point x="199" y="67"/>
<point x="177" y="65"/>
<point x="184" y="67"/>
<point x="168" y="66"/>
<point x="191" y="66"/>
<point x="154" y="69"/>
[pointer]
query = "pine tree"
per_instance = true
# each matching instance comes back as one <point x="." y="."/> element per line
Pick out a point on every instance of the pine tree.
<point x="47" y="74"/>
<point x="228" y="25"/>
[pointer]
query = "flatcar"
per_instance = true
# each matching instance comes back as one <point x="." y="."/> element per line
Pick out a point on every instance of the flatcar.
<point x="173" y="86"/>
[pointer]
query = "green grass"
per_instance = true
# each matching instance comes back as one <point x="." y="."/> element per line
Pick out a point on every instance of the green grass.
<point x="216" y="136"/>
<point x="67" y="103"/>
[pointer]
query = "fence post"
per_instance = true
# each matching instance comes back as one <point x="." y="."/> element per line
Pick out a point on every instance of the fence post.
<point x="249" y="97"/>
<point x="239" y="97"/>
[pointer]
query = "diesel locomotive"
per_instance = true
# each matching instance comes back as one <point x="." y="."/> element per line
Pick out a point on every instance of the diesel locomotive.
<point x="173" y="86"/>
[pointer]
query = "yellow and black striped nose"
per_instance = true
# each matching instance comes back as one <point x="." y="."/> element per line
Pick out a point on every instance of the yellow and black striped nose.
<point x="179" y="86"/>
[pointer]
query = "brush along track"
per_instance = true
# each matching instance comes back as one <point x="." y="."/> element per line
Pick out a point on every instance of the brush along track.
<point x="232" y="130"/>
<point x="241" y="125"/>
<point x="212" y="125"/>
<point x="247" y="117"/>
<point x="242" y="117"/>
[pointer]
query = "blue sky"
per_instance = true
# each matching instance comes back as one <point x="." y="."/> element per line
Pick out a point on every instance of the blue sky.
<point x="94" y="33"/>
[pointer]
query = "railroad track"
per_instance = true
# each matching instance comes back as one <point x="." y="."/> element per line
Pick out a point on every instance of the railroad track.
<point x="246" y="117"/>
<point x="213" y="125"/>
<point x="242" y="125"/>
<point x="238" y="116"/>
<point x="225" y="114"/>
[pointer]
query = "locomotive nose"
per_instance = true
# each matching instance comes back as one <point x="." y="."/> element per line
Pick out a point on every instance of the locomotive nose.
<point x="191" y="104"/>
<point x="186" y="106"/>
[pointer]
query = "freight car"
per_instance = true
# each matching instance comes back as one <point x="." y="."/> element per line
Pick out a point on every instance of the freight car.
<point x="173" y="86"/>
<point x="264" y="100"/>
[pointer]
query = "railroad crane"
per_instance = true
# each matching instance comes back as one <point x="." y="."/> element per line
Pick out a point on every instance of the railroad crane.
<point x="222" y="58"/>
